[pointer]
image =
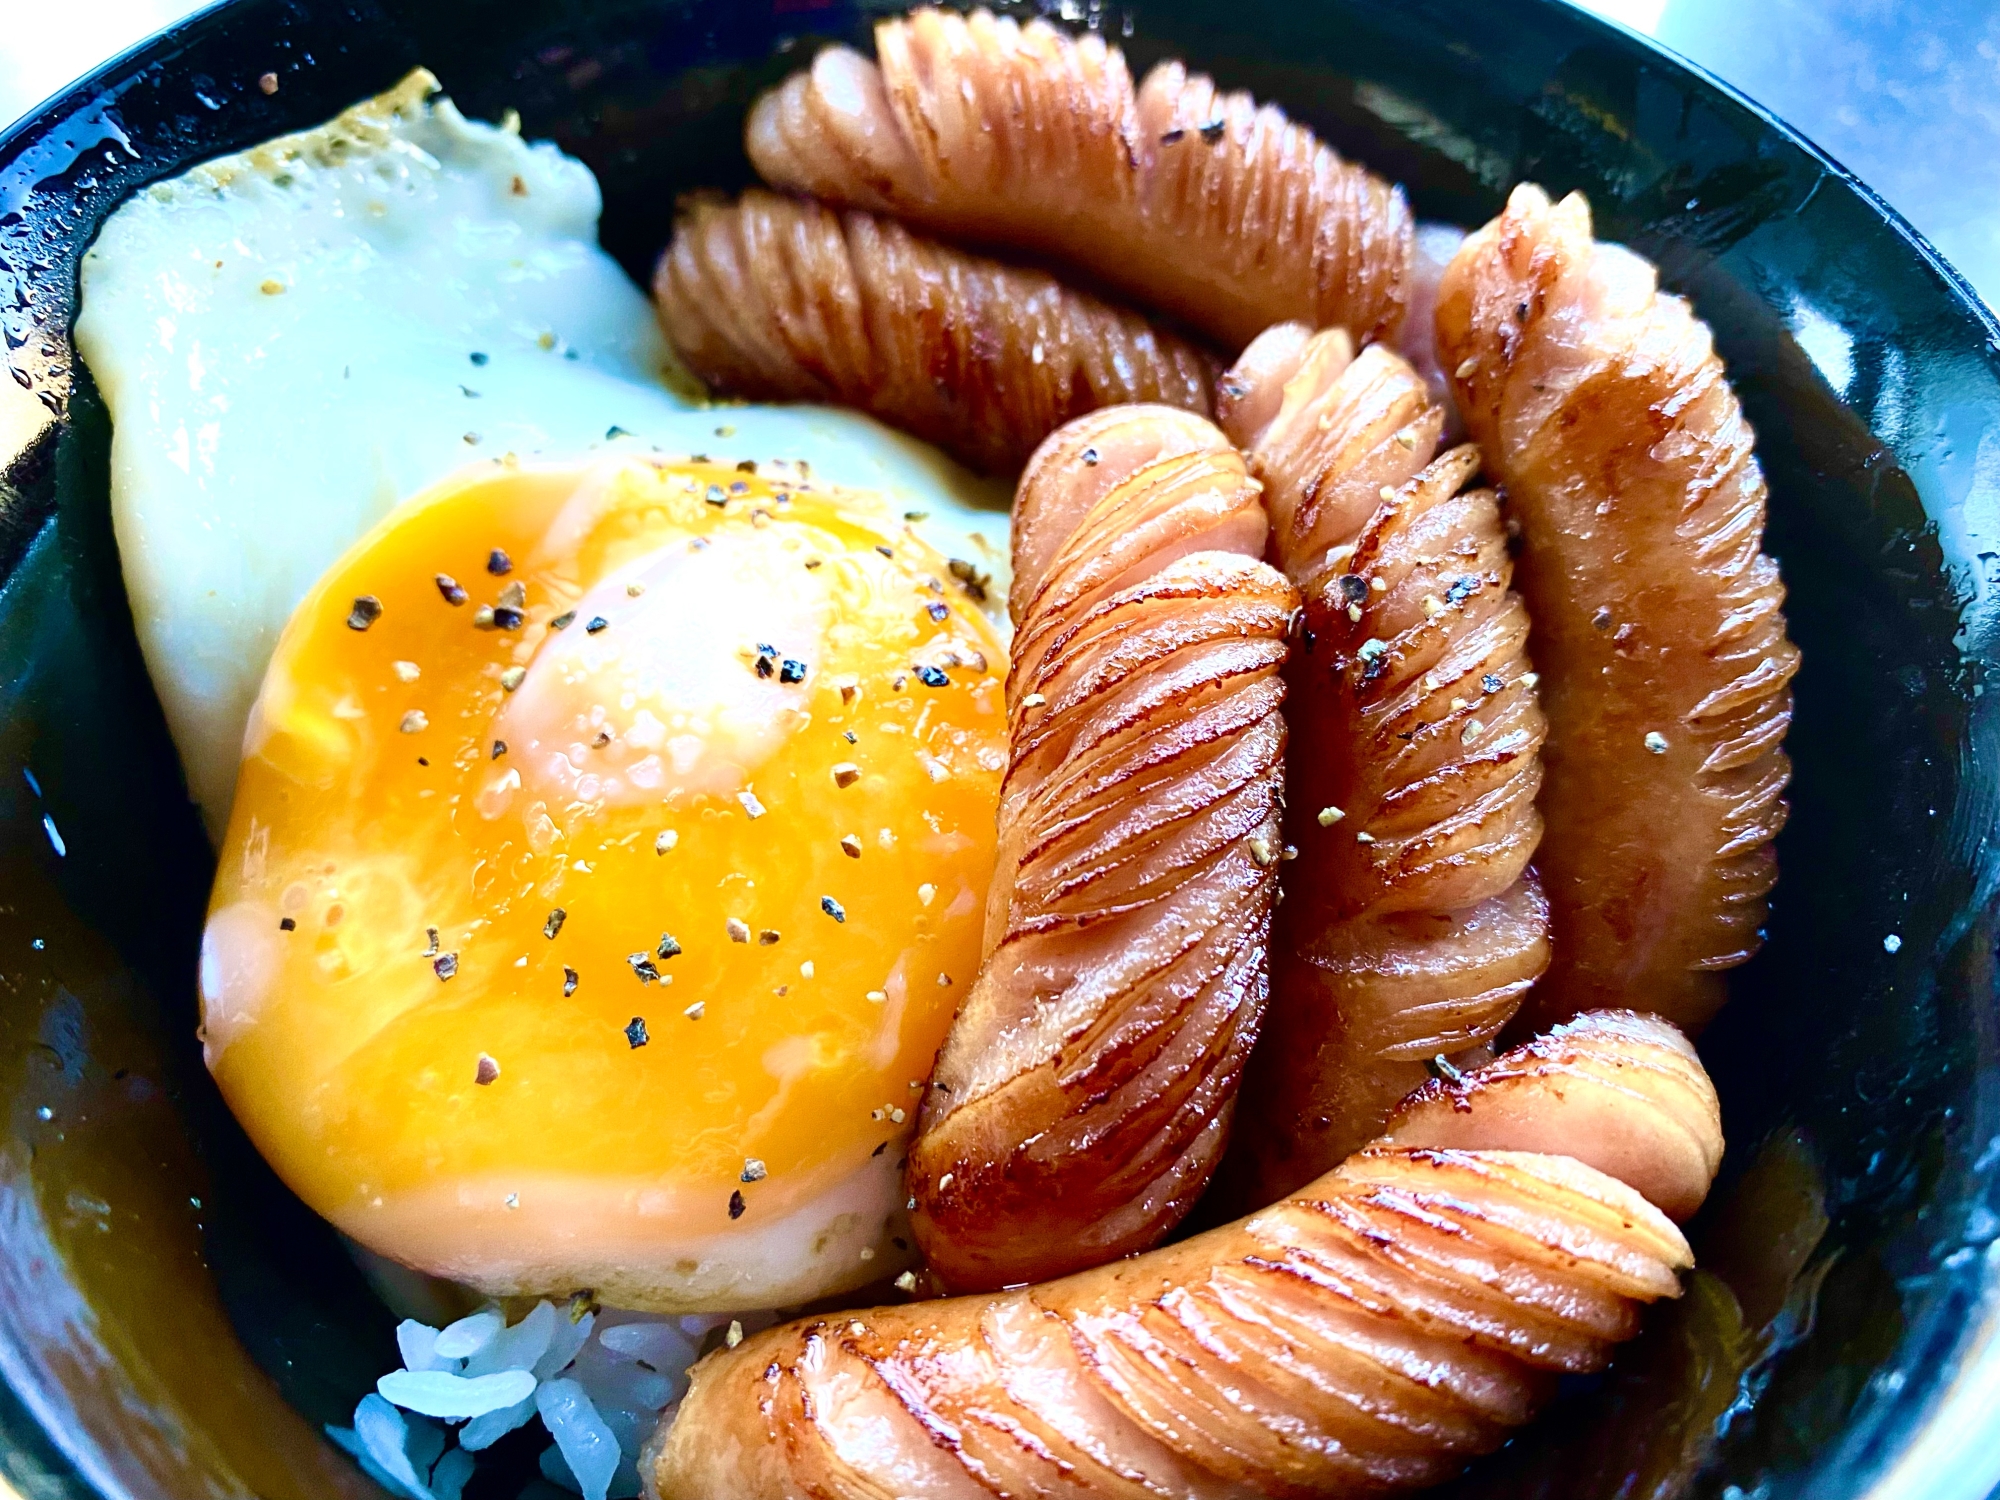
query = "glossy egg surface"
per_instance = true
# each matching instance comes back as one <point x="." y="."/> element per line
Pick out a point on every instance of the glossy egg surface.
<point x="608" y="854"/>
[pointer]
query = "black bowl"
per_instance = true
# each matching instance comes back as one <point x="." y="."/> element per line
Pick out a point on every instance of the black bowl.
<point x="172" y="1322"/>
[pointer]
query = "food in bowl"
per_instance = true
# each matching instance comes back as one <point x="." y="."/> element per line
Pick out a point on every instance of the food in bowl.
<point x="1081" y="1105"/>
<point x="553" y="898"/>
<point x="608" y="677"/>
<point x="1416" y="925"/>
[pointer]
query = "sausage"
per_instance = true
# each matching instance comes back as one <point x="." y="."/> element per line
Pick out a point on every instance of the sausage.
<point x="1411" y="927"/>
<point x="1622" y="1092"/>
<point x="1604" y="413"/>
<point x="780" y="299"/>
<point x="1202" y="205"/>
<point x="1403" y="1314"/>
<point x="1083" y="1094"/>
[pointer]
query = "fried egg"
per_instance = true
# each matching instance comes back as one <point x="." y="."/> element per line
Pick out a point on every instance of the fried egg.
<point x="609" y="851"/>
<point x="294" y="338"/>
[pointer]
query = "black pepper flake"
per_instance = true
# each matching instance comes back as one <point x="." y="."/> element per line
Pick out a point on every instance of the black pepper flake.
<point x="596" y="623"/>
<point x="1089" y="457"/>
<point x="763" y="666"/>
<point x="738" y="487"/>
<point x="563" y="621"/>
<point x="1212" y="131"/>
<point x="445" y="965"/>
<point x="499" y="748"/>
<point x="833" y="908"/>
<point x="1172" y="137"/>
<point x="970" y="578"/>
<point x="615" y="431"/>
<point x="736" y="1204"/>
<point x="508" y="618"/>
<point x="432" y="934"/>
<point x="1465" y="588"/>
<point x="1441" y="1067"/>
<point x="554" y="924"/>
<point x="879" y="1149"/>
<point x="286" y="924"/>
<point x="448" y="586"/>
<point x="1353" y="588"/>
<point x="1491" y="682"/>
<point x="792" y="671"/>
<point x="569" y="980"/>
<point x="932" y="677"/>
<point x="1231" y="387"/>
<point x="422" y="761"/>
<point x="849" y="736"/>
<point x="670" y="946"/>
<point x="476" y="357"/>
<point x="367" y="610"/>
<point x="885" y="551"/>
<point x="716" y="495"/>
<point x="1601" y="620"/>
<point x="937" y="610"/>
<point x="642" y="965"/>
<point x="746" y="466"/>
<point x="498" y="563"/>
<point x="635" y="1033"/>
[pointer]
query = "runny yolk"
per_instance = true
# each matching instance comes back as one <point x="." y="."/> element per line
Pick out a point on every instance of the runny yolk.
<point x="608" y="858"/>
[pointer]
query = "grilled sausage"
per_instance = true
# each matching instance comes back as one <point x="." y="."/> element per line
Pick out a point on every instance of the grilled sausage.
<point x="1200" y="204"/>
<point x="780" y="299"/>
<point x="1402" y="1314"/>
<point x="1410" y="927"/>
<point x="1619" y="1091"/>
<point x="1604" y="413"/>
<point x="1084" y="1092"/>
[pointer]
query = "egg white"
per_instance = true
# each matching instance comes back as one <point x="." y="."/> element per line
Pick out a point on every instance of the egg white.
<point x="286" y="341"/>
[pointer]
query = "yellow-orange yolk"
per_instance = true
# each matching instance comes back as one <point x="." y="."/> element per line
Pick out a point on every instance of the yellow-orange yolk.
<point x="609" y="854"/>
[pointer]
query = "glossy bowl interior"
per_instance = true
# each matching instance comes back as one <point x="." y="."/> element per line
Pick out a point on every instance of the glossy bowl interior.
<point x="173" y="1323"/>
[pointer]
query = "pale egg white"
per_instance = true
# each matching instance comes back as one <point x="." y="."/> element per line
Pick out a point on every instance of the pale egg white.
<point x="293" y="339"/>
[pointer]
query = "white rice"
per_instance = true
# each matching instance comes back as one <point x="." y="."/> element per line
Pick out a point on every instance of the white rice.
<point x="599" y="1379"/>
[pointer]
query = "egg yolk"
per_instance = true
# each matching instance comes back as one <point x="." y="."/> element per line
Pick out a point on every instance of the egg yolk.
<point x="609" y="854"/>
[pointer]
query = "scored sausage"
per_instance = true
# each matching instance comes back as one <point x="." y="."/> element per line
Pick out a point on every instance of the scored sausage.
<point x="1401" y="1315"/>
<point x="1200" y="204"/>
<point x="779" y="299"/>
<point x="1083" y="1095"/>
<point x="1411" y="927"/>
<point x="1603" y="411"/>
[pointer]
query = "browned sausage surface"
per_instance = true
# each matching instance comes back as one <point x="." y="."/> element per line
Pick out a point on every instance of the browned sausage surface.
<point x="1409" y="928"/>
<point x="1605" y="414"/>
<point x="1084" y="1092"/>
<point x="780" y="299"/>
<point x="1199" y="204"/>
<point x="1622" y="1092"/>
<point x="1401" y="1315"/>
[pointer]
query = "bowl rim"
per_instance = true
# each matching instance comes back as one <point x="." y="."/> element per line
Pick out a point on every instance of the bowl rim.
<point x="1946" y="1452"/>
